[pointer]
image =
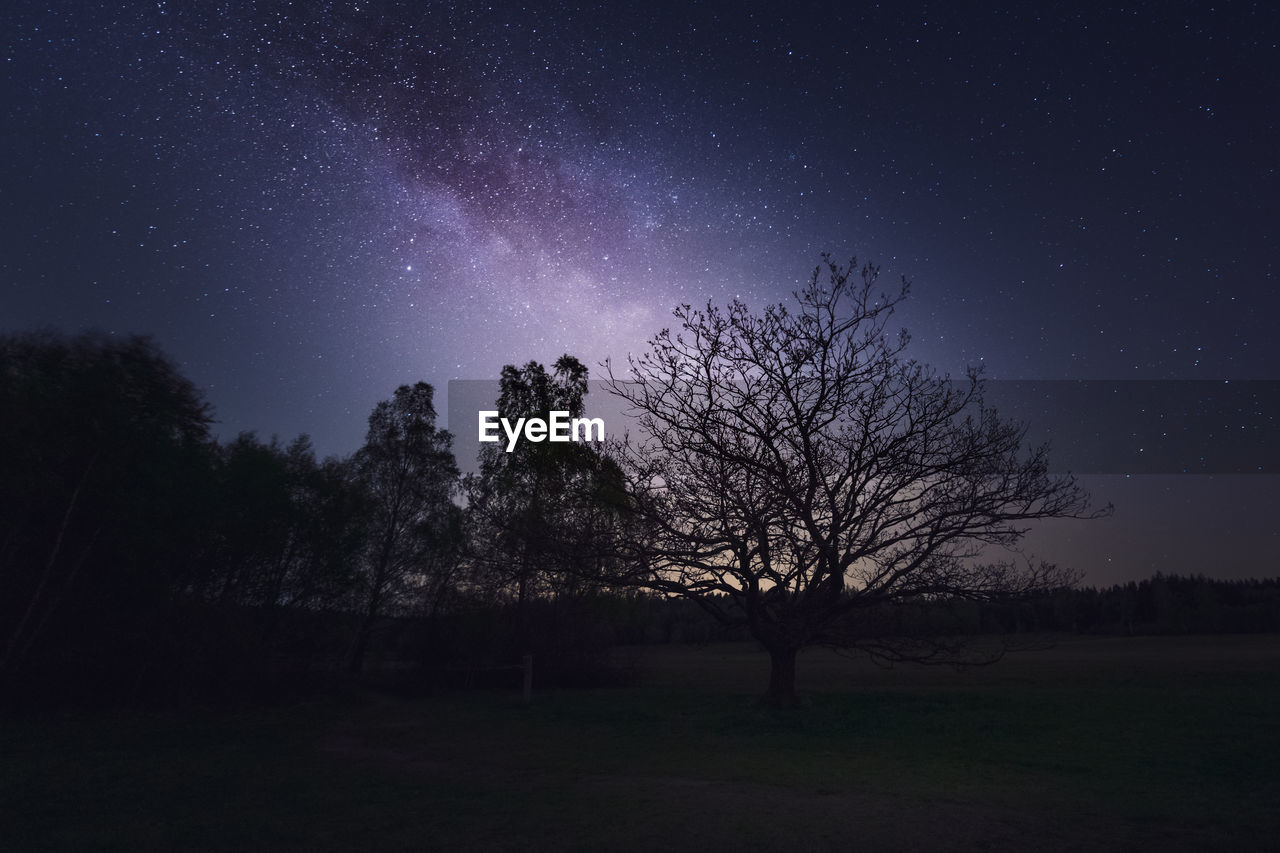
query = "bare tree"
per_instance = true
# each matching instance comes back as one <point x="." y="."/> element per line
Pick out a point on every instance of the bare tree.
<point x="794" y="469"/>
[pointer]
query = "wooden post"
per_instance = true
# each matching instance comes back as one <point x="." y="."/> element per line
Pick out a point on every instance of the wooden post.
<point x="528" y="678"/>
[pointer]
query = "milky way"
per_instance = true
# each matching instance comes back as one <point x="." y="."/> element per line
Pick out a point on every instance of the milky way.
<point x="309" y="204"/>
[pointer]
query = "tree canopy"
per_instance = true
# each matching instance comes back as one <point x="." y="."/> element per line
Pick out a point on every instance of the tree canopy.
<point x="409" y="475"/>
<point x="105" y="443"/>
<point x="537" y="510"/>
<point x="793" y="467"/>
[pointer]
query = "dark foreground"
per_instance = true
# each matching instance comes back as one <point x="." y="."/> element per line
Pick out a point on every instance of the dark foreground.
<point x="1095" y="744"/>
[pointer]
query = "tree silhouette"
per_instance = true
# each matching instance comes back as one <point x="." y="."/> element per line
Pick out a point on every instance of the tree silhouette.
<point x="256" y="519"/>
<point x="527" y="506"/>
<point x="793" y="468"/>
<point x="107" y="457"/>
<point x="284" y="530"/>
<point x="407" y="468"/>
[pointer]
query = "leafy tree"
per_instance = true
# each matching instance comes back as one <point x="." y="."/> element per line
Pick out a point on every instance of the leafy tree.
<point x="793" y="469"/>
<point x="256" y="520"/>
<point x="407" y="470"/>
<point x="285" y="532"/>
<point x="107" y="463"/>
<point x="332" y="534"/>
<point x="536" y="511"/>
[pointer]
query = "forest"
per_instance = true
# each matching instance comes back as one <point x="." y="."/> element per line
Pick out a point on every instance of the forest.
<point x="142" y="560"/>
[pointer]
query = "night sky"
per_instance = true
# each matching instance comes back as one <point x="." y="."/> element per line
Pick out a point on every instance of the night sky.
<point x="310" y="203"/>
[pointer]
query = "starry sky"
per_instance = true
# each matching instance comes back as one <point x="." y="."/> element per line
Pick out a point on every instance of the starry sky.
<point x="308" y="204"/>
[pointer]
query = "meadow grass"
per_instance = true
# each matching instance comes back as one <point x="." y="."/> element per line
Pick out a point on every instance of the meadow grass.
<point x="1093" y="744"/>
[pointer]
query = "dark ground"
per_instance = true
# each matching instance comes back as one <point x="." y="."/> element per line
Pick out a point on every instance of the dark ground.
<point x="1093" y="744"/>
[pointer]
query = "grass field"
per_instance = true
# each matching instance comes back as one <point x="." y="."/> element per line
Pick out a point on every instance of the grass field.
<point x="1093" y="744"/>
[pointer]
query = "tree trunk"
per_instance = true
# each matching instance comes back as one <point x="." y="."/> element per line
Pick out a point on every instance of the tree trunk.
<point x="360" y="643"/>
<point x="782" y="678"/>
<point x="14" y="652"/>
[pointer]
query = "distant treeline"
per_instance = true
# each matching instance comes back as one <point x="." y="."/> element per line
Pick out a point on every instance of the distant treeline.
<point x="1163" y="604"/>
<point x="141" y="559"/>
